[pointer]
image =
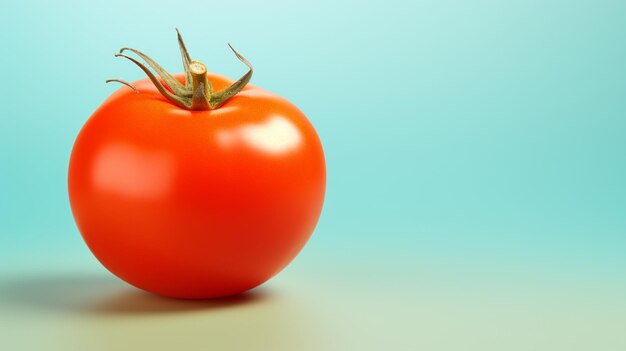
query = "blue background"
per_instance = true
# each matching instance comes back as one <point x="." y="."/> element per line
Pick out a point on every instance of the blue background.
<point x="470" y="145"/>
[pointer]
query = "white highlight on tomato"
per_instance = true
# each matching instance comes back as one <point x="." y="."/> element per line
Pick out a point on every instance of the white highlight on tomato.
<point x="275" y="136"/>
<point x="129" y="171"/>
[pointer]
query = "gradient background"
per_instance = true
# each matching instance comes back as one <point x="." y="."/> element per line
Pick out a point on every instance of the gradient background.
<point x="476" y="155"/>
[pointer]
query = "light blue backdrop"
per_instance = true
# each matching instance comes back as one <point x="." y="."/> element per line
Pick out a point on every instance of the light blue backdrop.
<point x="465" y="134"/>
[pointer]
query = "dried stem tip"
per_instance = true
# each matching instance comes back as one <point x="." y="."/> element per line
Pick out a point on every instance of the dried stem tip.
<point x="197" y="92"/>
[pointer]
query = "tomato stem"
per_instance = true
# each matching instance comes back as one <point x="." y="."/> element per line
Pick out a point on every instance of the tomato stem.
<point x="201" y="87"/>
<point x="123" y="82"/>
<point x="197" y="92"/>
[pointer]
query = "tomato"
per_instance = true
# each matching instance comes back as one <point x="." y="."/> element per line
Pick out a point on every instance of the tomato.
<point x="196" y="203"/>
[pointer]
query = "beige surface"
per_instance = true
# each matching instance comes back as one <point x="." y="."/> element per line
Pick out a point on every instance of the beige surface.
<point x="307" y="311"/>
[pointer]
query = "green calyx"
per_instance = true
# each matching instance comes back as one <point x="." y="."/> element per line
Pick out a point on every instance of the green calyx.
<point x="197" y="92"/>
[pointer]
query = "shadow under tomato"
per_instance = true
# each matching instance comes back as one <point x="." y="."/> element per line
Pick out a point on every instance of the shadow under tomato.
<point x="103" y="295"/>
<point x="99" y="312"/>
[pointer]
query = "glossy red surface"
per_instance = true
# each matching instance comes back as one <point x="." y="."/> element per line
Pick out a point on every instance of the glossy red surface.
<point x="196" y="204"/>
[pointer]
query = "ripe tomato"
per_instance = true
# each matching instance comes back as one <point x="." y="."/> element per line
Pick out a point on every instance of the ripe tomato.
<point x="196" y="203"/>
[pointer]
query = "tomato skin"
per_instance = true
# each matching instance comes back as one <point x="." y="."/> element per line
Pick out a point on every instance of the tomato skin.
<point x="196" y="204"/>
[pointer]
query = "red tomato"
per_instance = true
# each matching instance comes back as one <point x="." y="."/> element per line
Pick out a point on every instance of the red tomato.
<point x="196" y="204"/>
